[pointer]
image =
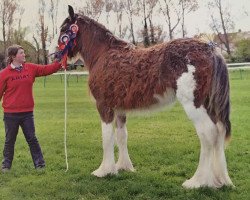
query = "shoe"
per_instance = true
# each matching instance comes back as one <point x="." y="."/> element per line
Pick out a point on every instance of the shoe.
<point x="40" y="167"/>
<point x="5" y="170"/>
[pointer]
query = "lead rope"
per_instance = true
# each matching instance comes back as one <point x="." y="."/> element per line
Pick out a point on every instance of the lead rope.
<point x="67" y="42"/>
<point x="65" y="120"/>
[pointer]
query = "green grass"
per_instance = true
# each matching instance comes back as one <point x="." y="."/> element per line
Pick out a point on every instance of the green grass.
<point x="163" y="147"/>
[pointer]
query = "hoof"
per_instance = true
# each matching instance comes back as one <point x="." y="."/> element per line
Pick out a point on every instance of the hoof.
<point x="196" y="182"/>
<point x="126" y="167"/>
<point x="191" y="184"/>
<point x="102" y="172"/>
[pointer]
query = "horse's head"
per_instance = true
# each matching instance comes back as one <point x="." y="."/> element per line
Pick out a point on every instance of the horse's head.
<point x="68" y="34"/>
<point x="83" y="37"/>
<point x="65" y="44"/>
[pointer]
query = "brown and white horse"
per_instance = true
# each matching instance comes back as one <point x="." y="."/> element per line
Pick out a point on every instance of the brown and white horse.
<point x="123" y="77"/>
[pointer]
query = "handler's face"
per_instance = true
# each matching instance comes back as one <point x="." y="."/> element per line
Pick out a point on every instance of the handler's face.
<point x="20" y="56"/>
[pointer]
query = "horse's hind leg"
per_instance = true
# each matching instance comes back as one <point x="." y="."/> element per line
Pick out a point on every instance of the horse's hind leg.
<point x="207" y="133"/>
<point x="220" y="165"/>
<point x="212" y="170"/>
<point x="124" y="162"/>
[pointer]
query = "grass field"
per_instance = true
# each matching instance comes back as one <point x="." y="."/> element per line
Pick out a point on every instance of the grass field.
<point x="163" y="147"/>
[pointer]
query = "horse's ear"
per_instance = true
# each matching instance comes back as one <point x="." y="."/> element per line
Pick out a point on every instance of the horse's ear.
<point x="71" y="13"/>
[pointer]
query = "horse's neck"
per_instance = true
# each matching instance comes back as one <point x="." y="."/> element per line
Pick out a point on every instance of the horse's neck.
<point x="93" y="48"/>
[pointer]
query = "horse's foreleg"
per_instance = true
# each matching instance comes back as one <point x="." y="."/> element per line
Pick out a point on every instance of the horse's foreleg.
<point x="108" y="163"/>
<point x="124" y="162"/>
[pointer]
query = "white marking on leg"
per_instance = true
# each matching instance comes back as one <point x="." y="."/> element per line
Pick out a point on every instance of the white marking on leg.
<point x="108" y="163"/>
<point x="124" y="162"/>
<point x="220" y="164"/>
<point x="207" y="131"/>
<point x="186" y="85"/>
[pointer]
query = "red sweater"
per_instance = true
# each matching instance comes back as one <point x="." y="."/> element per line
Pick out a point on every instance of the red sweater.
<point x="16" y="87"/>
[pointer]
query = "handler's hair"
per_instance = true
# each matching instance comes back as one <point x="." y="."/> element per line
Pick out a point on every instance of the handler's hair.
<point x="11" y="52"/>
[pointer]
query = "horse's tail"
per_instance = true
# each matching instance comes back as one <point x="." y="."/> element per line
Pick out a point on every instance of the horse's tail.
<point x="219" y="102"/>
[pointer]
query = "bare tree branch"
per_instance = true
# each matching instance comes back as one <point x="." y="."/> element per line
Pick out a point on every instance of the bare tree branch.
<point x="224" y="24"/>
<point x="7" y="10"/>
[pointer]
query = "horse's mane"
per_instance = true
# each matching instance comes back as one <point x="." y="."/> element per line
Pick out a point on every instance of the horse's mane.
<point x="103" y="32"/>
<point x="88" y="20"/>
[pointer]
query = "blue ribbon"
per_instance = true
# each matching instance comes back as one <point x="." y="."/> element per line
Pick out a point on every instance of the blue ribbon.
<point x="69" y="45"/>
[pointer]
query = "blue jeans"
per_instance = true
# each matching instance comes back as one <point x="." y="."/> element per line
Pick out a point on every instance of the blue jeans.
<point x="12" y="121"/>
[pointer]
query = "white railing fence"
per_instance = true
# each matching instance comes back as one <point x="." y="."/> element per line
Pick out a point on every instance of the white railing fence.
<point x="231" y="66"/>
<point x="238" y="66"/>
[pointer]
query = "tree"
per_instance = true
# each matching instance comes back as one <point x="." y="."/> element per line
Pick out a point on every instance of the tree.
<point x="19" y="34"/>
<point x="224" y="24"/>
<point x="131" y="8"/>
<point x="93" y="8"/>
<point x="7" y="11"/>
<point x="151" y="6"/>
<point x="242" y="52"/>
<point x="37" y="49"/>
<point x="146" y="41"/>
<point x="170" y="12"/>
<point x="159" y="36"/>
<point x="53" y="11"/>
<point x="118" y="8"/>
<point x="148" y="6"/>
<point x="187" y="6"/>
<point x="108" y="8"/>
<point x="2" y="61"/>
<point x="43" y="30"/>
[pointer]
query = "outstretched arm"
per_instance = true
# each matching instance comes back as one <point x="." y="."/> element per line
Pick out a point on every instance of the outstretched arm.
<point x="44" y="70"/>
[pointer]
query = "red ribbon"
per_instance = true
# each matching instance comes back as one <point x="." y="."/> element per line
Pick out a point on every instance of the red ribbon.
<point x="64" y="61"/>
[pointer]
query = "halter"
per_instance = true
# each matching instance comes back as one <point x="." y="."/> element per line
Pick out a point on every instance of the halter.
<point x="67" y="42"/>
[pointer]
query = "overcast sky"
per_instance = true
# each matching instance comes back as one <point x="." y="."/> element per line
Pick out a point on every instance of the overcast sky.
<point x="195" y="22"/>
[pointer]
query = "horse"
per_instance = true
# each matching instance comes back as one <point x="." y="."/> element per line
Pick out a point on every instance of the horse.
<point x="123" y="77"/>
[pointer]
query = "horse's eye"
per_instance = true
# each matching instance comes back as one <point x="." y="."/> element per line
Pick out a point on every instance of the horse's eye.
<point x="63" y="30"/>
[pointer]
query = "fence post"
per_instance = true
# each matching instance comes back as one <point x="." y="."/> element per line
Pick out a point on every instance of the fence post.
<point x="68" y="80"/>
<point x="241" y="74"/>
<point x="44" y="81"/>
